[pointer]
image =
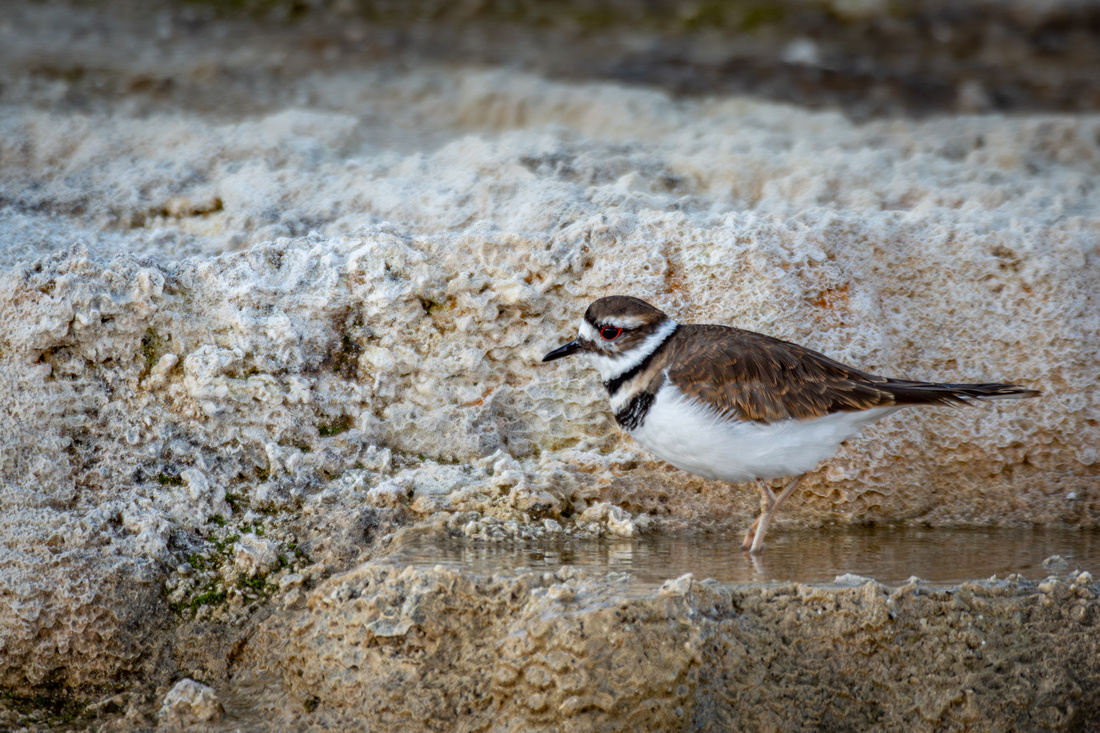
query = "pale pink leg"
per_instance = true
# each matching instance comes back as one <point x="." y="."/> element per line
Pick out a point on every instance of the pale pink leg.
<point x="760" y="526"/>
<point x="767" y="498"/>
<point x="750" y="534"/>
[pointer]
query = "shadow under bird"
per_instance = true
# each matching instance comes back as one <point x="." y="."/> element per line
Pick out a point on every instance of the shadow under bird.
<point x="724" y="403"/>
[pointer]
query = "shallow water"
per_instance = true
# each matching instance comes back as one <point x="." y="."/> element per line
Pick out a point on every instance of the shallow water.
<point x="890" y="555"/>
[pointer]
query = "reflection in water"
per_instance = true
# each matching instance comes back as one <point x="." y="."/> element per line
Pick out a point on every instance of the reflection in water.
<point x="890" y="555"/>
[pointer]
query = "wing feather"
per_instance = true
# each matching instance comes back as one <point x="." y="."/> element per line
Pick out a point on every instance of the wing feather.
<point x="750" y="376"/>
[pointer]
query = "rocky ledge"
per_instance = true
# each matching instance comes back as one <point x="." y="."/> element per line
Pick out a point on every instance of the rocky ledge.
<point x="245" y="344"/>
<point x="396" y="649"/>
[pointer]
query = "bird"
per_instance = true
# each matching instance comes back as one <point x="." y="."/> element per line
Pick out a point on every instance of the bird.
<point x="726" y="403"/>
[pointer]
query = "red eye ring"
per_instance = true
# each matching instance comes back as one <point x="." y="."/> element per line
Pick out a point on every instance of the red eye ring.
<point x="610" y="333"/>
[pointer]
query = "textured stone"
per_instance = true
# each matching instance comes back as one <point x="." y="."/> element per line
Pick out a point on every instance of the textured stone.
<point x="255" y="556"/>
<point x="321" y="314"/>
<point x="433" y="648"/>
<point x="189" y="703"/>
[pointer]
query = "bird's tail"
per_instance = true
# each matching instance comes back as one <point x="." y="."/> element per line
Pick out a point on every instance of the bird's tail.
<point x="931" y="393"/>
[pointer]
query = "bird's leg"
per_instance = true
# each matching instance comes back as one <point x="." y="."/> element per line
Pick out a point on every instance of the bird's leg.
<point x="760" y="526"/>
<point x="767" y="498"/>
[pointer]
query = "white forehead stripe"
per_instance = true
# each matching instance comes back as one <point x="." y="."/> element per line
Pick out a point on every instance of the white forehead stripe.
<point x="587" y="332"/>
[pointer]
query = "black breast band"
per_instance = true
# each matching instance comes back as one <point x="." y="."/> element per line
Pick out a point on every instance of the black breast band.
<point x="633" y="415"/>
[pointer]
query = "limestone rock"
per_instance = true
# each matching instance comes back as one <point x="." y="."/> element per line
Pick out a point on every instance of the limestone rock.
<point x="434" y="648"/>
<point x="256" y="556"/>
<point x="189" y="703"/>
<point x="323" y="313"/>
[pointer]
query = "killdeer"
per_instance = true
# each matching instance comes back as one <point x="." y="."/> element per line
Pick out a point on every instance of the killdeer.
<point x="724" y="403"/>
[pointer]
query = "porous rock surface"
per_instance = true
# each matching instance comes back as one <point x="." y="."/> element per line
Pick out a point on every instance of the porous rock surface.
<point x="189" y="703"/>
<point x="436" y="649"/>
<point x="317" y="316"/>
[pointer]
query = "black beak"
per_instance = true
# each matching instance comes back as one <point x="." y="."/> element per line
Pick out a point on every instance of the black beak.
<point x="570" y="348"/>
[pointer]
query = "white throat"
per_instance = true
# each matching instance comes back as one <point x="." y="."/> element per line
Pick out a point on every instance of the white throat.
<point x="611" y="366"/>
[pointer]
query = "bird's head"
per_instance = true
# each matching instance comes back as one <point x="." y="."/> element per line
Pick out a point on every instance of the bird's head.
<point x="615" y="334"/>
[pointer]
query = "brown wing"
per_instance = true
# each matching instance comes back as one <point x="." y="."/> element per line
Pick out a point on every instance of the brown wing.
<point x="756" y="377"/>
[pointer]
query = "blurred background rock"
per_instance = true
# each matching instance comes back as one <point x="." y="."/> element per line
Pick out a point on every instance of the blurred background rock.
<point x="869" y="58"/>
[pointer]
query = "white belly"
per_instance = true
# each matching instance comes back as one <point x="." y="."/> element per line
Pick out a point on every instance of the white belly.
<point x="693" y="438"/>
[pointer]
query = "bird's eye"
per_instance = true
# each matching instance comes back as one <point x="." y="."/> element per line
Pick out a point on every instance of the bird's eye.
<point x="610" y="333"/>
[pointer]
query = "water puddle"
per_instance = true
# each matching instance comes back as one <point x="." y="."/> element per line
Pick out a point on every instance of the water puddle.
<point x="890" y="555"/>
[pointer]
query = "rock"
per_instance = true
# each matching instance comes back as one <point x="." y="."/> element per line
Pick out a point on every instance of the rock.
<point x="189" y="703"/>
<point x="851" y="580"/>
<point x="388" y="494"/>
<point x="613" y="518"/>
<point x="545" y="654"/>
<point x="1055" y="564"/>
<point x="325" y="314"/>
<point x="255" y="556"/>
<point x="678" y="587"/>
